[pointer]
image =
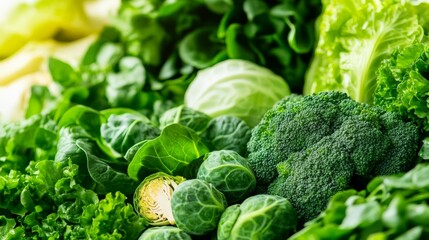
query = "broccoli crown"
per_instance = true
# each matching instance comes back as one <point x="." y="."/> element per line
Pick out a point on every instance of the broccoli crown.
<point x="307" y="148"/>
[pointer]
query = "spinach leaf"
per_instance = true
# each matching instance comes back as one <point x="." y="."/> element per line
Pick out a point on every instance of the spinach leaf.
<point x="172" y="152"/>
<point x="124" y="89"/>
<point x="122" y="131"/>
<point x="108" y="175"/>
<point x="200" y="47"/>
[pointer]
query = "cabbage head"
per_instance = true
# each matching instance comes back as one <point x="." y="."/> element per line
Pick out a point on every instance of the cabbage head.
<point x="236" y="87"/>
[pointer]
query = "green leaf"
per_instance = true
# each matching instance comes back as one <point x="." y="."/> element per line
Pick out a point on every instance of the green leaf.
<point x="124" y="88"/>
<point x="362" y="215"/>
<point x="8" y="229"/>
<point x="107" y="178"/>
<point x="238" y="45"/>
<point x="253" y="8"/>
<point x="199" y="47"/>
<point x="63" y="73"/>
<point x="86" y="117"/>
<point x="219" y="6"/>
<point x="112" y="218"/>
<point x="172" y="152"/>
<point x="354" y="38"/>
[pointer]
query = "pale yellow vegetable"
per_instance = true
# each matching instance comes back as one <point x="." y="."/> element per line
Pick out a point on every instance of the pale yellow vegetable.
<point x="23" y="21"/>
<point x="27" y="31"/>
<point x="28" y="67"/>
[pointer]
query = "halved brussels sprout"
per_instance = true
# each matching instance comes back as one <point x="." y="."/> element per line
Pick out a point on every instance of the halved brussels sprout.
<point x="152" y="198"/>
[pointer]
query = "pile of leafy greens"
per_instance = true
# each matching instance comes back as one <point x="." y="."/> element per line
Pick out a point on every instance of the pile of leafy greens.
<point x="152" y="49"/>
<point x="392" y="207"/>
<point x="69" y="170"/>
<point x="355" y="36"/>
<point x="71" y="174"/>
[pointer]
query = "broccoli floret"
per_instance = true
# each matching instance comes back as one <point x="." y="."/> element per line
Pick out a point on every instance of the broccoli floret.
<point x="309" y="178"/>
<point x="310" y="147"/>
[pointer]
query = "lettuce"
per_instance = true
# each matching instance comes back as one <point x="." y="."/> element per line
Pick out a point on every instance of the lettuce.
<point x="402" y="83"/>
<point x="354" y="37"/>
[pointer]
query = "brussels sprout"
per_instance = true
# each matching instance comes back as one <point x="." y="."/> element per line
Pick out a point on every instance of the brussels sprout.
<point x="236" y="87"/>
<point x="230" y="173"/>
<point x="227" y="132"/>
<point x="258" y="217"/>
<point x="122" y="131"/>
<point x="152" y="198"/>
<point x="164" y="233"/>
<point x="191" y="118"/>
<point x="197" y="206"/>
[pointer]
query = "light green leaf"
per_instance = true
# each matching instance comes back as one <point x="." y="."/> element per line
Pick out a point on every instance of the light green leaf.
<point x="354" y="38"/>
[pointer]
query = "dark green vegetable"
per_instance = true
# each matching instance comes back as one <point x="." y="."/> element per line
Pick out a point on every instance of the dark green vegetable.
<point x="308" y="148"/>
<point x="229" y="173"/>
<point x="163" y="233"/>
<point x="392" y="207"/>
<point x="122" y="131"/>
<point x="258" y="217"/>
<point x="47" y="201"/>
<point x="125" y="88"/>
<point x="197" y="206"/>
<point x="174" y="152"/>
<point x="227" y="133"/>
<point x="185" y="116"/>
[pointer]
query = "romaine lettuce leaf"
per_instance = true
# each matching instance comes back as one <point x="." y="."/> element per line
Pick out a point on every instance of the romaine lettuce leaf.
<point x="354" y="37"/>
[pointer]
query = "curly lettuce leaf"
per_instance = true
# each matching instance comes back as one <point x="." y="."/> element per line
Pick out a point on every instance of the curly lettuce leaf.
<point x="403" y="84"/>
<point x="354" y="37"/>
<point x="112" y="218"/>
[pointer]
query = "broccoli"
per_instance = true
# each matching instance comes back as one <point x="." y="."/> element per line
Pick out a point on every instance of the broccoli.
<point x="307" y="148"/>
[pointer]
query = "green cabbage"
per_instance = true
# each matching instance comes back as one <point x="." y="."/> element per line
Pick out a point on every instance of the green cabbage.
<point x="354" y="37"/>
<point x="238" y="88"/>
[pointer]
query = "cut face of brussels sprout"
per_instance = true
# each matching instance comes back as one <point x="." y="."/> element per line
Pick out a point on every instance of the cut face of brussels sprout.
<point x="152" y="198"/>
